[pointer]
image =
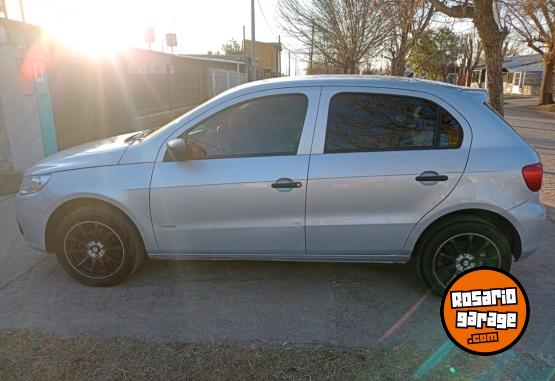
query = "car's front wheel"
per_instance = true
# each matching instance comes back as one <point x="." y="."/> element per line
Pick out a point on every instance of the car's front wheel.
<point x="461" y="245"/>
<point x="98" y="246"/>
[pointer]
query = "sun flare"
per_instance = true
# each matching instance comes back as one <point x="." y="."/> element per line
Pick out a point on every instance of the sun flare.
<point x="98" y="29"/>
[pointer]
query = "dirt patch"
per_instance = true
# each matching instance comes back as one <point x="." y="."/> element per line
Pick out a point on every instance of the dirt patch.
<point x="32" y="355"/>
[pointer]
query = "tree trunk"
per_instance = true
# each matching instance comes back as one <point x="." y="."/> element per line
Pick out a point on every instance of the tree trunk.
<point x="399" y="64"/>
<point x="546" y="89"/>
<point x="461" y="78"/>
<point x="492" y="38"/>
<point x="469" y="71"/>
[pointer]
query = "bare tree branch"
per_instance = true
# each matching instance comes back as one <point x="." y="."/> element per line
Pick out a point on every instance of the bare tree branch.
<point x="409" y="19"/>
<point x="460" y="11"/>
<point x="342" y="33"/>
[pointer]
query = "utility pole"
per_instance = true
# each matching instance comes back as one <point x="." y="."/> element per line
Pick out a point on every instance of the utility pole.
<point x="289" y="65"/>
<point x="311" y="49"/>
<point x="247" y="72"/>
<point x="295" y="65"/>
<point x="279" y="56"/>
<point x="253" y="44"/>
<point x="21" y="10"/>
<point x="243" y="44"/>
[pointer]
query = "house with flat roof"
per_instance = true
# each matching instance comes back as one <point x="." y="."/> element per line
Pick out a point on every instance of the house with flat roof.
<point x="521" y="75"/>
<point x="268" y="58"/>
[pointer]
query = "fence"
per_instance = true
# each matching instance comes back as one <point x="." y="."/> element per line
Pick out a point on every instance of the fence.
<point x="221" y="80"/>
<point x="136" y="90"/>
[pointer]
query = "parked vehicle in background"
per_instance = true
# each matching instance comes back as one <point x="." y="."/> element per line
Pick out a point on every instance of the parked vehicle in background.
<point x="359" y="169"/>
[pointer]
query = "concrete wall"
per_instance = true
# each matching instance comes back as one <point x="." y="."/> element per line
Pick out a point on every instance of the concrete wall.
<point x="6" y="165"/>
<point x="21" y="122"/>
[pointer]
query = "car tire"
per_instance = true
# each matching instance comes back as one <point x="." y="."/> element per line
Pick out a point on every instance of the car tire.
<point x="459" y="245"/>
<point x="98" y="246"/>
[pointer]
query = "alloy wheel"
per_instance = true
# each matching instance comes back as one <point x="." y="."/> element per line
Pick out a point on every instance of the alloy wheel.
<point x="94" y="249"/>
<point x="464" y="252"/>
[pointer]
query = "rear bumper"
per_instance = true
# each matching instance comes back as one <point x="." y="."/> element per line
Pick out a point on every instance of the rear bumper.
<point x="530" y="218"/>
<point x="31" y="213"/>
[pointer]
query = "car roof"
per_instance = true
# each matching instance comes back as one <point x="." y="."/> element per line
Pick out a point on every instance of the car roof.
<point x="339" y="80"/>
<point x="351" y="80"/>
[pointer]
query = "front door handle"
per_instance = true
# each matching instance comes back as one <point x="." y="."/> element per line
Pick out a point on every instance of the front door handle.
<point x="431" y="176"/>
<point x="285" y="183"/>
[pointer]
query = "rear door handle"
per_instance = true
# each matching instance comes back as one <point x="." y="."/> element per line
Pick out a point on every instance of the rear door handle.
<point x="431" y="176"/>
<point x="285" y="183"/>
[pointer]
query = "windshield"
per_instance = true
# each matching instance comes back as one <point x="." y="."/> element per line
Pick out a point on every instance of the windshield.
<point x="151" y="132"/>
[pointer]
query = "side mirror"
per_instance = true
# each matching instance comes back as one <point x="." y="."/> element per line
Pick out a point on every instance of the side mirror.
<point x="180" y="150"/>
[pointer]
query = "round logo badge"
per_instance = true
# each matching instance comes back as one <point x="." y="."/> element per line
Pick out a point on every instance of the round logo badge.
<point x="485" y="311"/>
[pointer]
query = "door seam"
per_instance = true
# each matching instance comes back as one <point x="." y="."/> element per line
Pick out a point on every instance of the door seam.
<point x="308" y="167"/>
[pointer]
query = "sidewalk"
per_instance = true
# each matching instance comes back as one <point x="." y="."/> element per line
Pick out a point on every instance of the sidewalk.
<point x="538" y="128"/>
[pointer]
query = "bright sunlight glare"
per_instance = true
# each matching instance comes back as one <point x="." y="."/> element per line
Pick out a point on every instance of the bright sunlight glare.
<point x="98" y="29"/>
<point x="101" y="28"/>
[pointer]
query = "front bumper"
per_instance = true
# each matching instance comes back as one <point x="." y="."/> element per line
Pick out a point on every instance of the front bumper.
<point x="32" y="214"/>
<point x="530" y="218"/>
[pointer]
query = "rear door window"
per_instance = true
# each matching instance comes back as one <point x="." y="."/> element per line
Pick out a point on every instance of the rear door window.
<point x="360" y="122"/>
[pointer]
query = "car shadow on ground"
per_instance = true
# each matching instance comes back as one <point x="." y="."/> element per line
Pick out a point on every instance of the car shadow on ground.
<point x="340" y="304"/>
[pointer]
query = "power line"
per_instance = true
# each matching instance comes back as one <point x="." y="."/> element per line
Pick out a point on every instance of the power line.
<point x="264" y="16"/>
<point x="270" y="27"/>
<point x="296" y="53"/>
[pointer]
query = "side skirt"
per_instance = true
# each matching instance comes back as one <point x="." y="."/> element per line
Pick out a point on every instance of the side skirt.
<point x="401" y="258"/>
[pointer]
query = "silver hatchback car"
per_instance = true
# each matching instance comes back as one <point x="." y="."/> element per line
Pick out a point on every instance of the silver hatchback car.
<point x="358" y="169"/>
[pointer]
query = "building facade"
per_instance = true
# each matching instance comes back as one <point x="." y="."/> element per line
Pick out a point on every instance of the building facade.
<point x="522" y="75"/>
<point x="268" y="58"/>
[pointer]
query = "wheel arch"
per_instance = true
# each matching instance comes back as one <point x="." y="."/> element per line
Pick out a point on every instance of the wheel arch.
<point x="502" y="223"/>
<point x="68" y="206"/>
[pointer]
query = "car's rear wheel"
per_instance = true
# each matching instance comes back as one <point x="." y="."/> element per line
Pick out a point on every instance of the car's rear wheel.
<point x="98" y="246"/>
<point x="458" y="246"/>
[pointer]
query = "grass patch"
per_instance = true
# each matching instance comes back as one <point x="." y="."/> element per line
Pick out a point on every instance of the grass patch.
<point x="549" y="108"/>
<point x="31" y="355"/>
<point x="516" y="96"/>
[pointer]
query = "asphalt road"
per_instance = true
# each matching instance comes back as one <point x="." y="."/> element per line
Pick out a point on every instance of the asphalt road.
<point x="339" y="305"/>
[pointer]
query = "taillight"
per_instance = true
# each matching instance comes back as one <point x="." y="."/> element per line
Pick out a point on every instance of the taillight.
<point x="533" y="175"/>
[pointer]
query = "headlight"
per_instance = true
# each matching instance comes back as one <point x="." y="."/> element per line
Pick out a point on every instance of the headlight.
<point x="33" y="184"/>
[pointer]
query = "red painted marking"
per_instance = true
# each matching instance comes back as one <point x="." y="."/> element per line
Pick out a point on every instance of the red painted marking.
<point x="403" y="318"/>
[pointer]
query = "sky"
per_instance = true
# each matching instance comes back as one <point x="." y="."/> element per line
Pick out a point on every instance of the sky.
<point x="104" y="26"/>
